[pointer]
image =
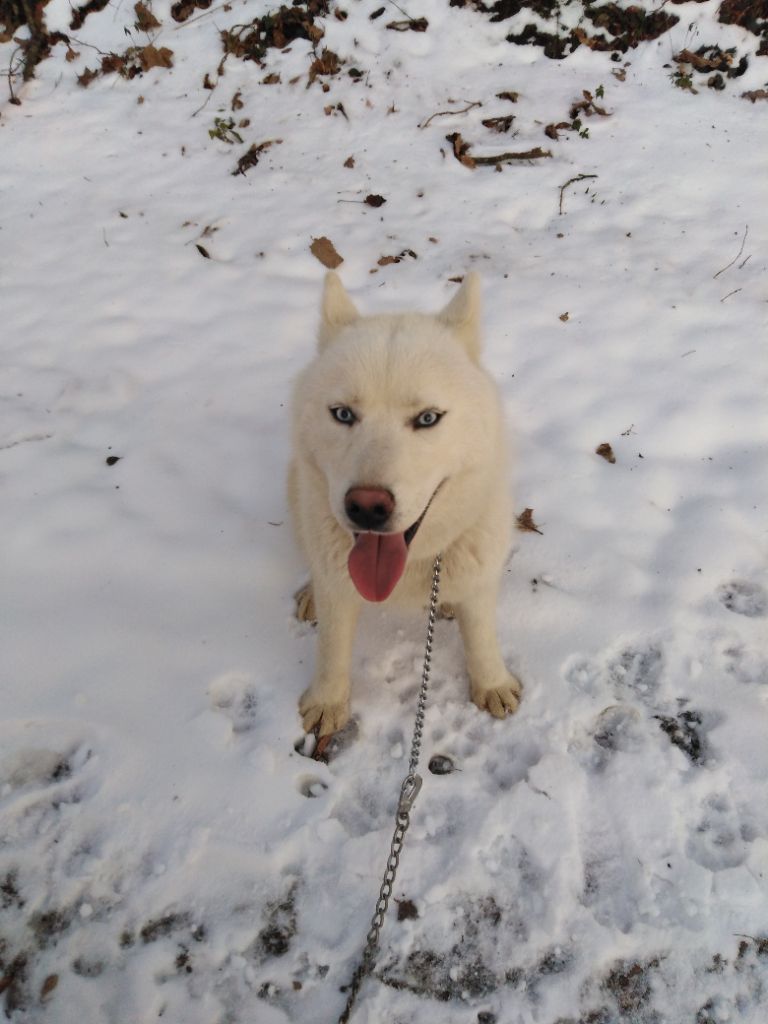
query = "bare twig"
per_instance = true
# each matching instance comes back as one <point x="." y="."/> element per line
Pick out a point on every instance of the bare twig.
<point x="579" y="177"/>
<point x="736" y="257"/>
<point x="445" y="113"/>
<point x="11" y="73"/>
<point x="404" y="13"/>
<point x="735" y="290"/>
<point x="502" y="158"/>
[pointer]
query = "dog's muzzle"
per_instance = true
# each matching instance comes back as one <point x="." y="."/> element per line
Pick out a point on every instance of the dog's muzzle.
<point x="377" y="559"/>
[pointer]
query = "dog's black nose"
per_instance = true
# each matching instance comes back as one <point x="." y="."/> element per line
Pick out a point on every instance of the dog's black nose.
<point x="369" y="507"/>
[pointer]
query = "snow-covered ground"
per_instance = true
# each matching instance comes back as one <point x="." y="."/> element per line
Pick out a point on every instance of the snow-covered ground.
<point x="165" y="851"/>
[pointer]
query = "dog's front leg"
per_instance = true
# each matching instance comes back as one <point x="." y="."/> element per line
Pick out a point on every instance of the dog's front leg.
<point x="492" y="686"/>
<point x="325" y="705"/>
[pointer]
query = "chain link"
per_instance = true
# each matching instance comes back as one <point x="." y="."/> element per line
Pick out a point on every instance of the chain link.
<point x="408" y="793"/>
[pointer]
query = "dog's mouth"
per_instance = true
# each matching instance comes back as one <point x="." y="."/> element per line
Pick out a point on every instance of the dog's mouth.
<point x="377" y="560"/>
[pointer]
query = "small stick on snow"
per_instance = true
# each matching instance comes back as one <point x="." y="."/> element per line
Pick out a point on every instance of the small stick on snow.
<point x="445" y="113"/>
<point x="579" y="177"/>
<point x="736" y="257"/>
<point x="735" y="290"/>
<point x="502" y="158"/>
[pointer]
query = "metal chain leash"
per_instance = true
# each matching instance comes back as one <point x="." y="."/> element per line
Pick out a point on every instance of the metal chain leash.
<point x="408" y="793"/>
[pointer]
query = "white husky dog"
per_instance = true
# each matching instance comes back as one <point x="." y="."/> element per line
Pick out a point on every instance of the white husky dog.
<point x="398" y="454"/>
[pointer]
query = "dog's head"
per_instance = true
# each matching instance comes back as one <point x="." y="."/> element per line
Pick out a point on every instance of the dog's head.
<point x="396" y="415"/>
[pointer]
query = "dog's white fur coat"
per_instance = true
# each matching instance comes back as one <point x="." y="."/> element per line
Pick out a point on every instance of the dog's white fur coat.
<point x="388" y="369"/>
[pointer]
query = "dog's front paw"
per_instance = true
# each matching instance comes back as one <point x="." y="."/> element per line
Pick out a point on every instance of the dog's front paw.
<point x="323" y="717"/>
<point x="500" y="700"/>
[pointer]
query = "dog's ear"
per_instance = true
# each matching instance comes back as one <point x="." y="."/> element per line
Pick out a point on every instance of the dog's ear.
<point x="336" y="310"/>
<point x="462" y="315"/>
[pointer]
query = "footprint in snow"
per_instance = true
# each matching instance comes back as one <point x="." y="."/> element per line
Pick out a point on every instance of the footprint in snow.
<point x="36" y="787"/>
<point x="235" y="696"/>
<point x="744" y="598"/>
<point x="744" y="665"/>
<point x="637" y="669"/>
<point x="617" y="729"/>
<point x="36" y="768"/>
<point x="720" y="840"/>
<point x="511" y="765"/>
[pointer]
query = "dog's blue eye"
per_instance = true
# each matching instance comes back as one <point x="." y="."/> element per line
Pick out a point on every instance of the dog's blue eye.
<point x="343" y="414"/>
<point x="428" y="418"/>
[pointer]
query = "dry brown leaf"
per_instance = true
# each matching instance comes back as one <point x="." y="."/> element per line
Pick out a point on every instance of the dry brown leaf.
<point x="606" y="452"/>
<point x="252" y="156"/>
<point x="87" y="77"/>
<point x="564" y="317"/>
<point x="525" y="522"/>
<point x="324" y="250"/>
<point x="152" y="57"/>
<point x="552" y="131"/>
<point x="327" y="63"/>
<point x="49" y="985"/>
<point x="374" y="200"/>
<point x="511" y="96"/>
<point x="145" y="19"/>
<point x="460" y="149"/>
<point x="755" y="94"/>
<point x="349" y="162"/>
<point x="499" y="124"/>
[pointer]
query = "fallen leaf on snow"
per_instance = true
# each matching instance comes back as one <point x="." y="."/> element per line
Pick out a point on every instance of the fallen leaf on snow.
<point x="606" y="452"/>
<point x="460" y="149"/>
<point x="251" y="157"/>
<point x="327" y="63"/>
<point x="375" y="201"/>
<point x="186" y="8"/>
<point x="499" y="124"/>
<point x="324" y="250"/>
<point x="151" y="57"/>
<point x="87" y="77"/>
<point x="385" y="261"/>
<point x="49" y="985"/>
<point x="525" y="522"/>
<point x="145" y="19"/>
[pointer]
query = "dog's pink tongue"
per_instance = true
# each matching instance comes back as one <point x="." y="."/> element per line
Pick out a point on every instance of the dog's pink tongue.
<point x="376" y="563"/>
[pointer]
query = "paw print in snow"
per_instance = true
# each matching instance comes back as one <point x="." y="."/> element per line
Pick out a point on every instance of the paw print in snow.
<point x="744" y="598"/>
<point x="637" y="669"/>
<point x="719" y="840"/>
<point x="744" y="665"/>
<point x="234" y="695"/>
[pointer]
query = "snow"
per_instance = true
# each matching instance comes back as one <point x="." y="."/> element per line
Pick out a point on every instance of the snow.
<point x="165" y="852"/>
